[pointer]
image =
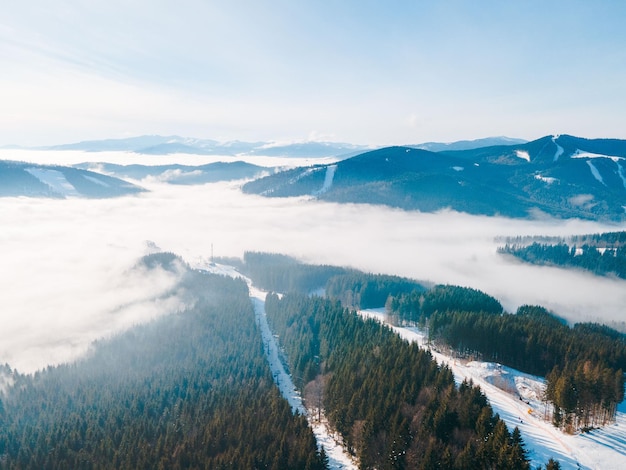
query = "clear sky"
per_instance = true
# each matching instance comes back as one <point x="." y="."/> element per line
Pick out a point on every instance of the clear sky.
<point x="360" y="71"/>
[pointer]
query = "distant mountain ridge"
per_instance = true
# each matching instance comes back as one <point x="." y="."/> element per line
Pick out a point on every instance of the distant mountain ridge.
<point x="562" y="176"/>
<point x="468" y="144"/>
<point x="164" y="145"/>
<point x="181" y="174"/>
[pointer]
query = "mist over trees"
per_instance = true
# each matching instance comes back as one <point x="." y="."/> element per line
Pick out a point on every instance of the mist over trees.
<point x="602" y="254"/>
<point x="189" y="390"/>
<point x="194" y="390"/>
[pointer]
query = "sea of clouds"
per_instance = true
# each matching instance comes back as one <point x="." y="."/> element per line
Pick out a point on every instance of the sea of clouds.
<point x="68" y="272"/>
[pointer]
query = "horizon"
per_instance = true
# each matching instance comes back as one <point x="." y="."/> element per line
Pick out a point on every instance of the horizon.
<point x="350" y="72"/>
<point x="284" y="142"/>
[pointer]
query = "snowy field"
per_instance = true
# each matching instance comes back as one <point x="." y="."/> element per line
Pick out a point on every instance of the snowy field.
<point x="602" y="449"/>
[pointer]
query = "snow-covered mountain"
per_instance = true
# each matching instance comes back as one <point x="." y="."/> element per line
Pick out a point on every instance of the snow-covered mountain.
<point x="27" y="179"/>
<point x="563" y="176"/>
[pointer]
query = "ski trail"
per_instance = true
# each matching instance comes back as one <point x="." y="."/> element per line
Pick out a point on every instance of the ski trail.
<point x="620" y="171"/>
<point x="594" y="171"/>
<point x="559" y="149"/>
<point x="328" y="180"/>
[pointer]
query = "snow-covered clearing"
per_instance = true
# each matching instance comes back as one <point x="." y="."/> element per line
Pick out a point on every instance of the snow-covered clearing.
<point x="583" y="154"/>
<point x="337" y="457"/>
<point x="594" y="171"/>
<point x="524" y="155"/>
<point x="55" y="179"/>
<point x="516" y="397"/>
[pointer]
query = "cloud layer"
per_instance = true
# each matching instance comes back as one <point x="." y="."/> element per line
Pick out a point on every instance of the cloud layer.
<point x="67" y="277"/>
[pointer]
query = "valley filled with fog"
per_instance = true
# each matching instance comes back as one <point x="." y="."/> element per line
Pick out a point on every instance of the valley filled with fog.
<point x="69" y="275"/>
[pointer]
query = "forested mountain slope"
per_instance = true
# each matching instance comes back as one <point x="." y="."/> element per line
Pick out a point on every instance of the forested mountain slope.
<point x="562" y="176"/>
<point x="190" y="390"/>
<point x="27" y="179"/>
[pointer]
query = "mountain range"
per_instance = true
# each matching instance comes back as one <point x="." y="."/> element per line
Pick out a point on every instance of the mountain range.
<point x="164" y="145"/>
<point x="561" y="176"/>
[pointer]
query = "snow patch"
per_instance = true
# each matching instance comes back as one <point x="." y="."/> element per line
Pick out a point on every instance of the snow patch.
<point x="545" y="179"/>
<point x="594" y="171"/>
<point x="523" y="154"/>
<point x="96" y="180"/>
<point x="55" y="179"/>
<point x="458" y="168"/>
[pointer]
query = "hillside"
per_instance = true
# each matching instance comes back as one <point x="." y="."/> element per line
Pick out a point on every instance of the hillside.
<point x="26" y="179"/>
<point x="181" y="174"/>
<point x="562" y="176"/>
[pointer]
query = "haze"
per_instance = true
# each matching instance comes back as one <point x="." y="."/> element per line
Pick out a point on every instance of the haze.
<point x="364" y="72"/>
<point x="68" y="276"/>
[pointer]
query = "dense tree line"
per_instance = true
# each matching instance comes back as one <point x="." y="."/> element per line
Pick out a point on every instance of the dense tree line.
<point x="417" y="307"/>
<point x="361" y="290"/>
<point x="583" y="365"/>
<point x="393" y="406"/>
<point x="355" y="289"/>
<point x="189" y="390"/>
<point x="599" y="240"/>
<point x="600" y="253"/>
<point x="281" y="273"/>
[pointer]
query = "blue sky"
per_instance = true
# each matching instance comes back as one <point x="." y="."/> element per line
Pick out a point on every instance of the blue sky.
<point x="367" y="72"/>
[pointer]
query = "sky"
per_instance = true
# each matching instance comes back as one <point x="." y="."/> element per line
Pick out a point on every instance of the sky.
<point x="365" y="72"/>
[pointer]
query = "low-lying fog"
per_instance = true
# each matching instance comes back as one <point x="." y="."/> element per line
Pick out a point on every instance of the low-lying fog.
<point x="67" y="276"/>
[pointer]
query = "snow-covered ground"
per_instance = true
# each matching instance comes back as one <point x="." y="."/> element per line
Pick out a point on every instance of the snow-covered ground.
<point x="337" y="457"/>
<point x="516" y="397"/>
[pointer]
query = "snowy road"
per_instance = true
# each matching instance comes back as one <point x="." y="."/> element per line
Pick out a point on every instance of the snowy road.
<point x="337" y="457"/>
